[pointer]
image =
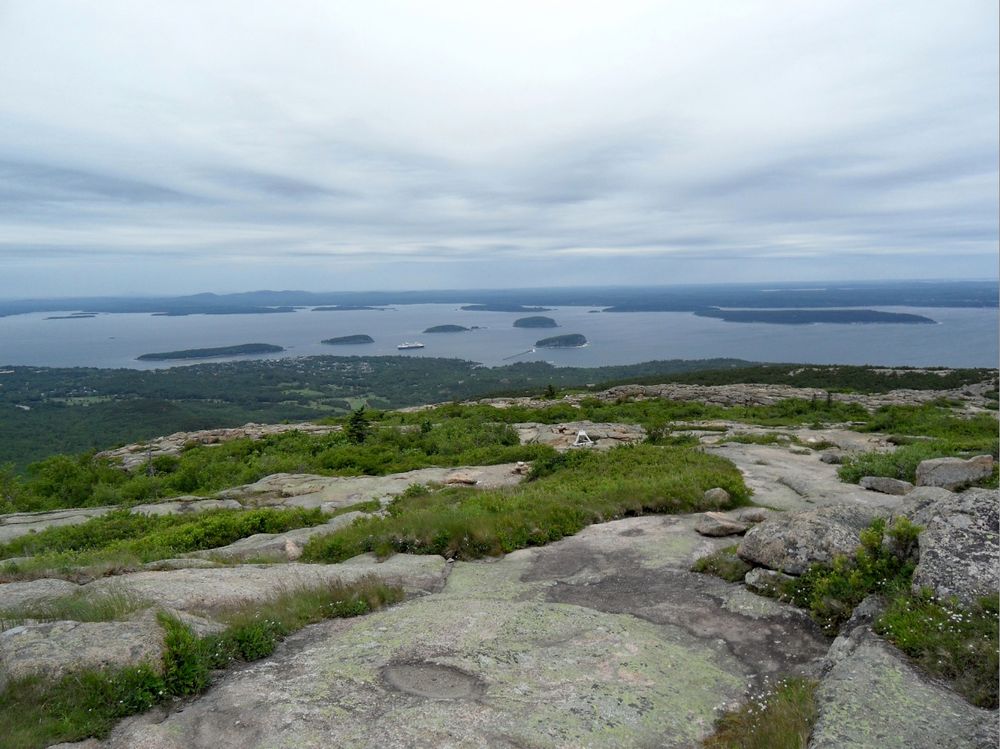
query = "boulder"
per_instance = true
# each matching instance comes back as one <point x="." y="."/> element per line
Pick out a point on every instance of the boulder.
<point x="765" y="581"/>
<point x="831" y="458"/>
<point x="885" y="485"/>
<point x="954" y="473"/>
<point x="717" y="496"/>
<point x="718" y="524"/>
<point x="754" y="514"/>
<point x="52" y="649"/>
<point x="872" y="698"/>
<point x="791" y="542"/>
<point x="960" y="544"/>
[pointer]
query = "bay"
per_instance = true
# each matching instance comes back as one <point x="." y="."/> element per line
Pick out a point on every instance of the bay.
<point x="962" y="338"/>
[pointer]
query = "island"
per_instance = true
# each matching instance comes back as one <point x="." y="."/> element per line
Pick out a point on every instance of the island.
<point x="349" y="340"/>
<point x="74" y="316"/>
<point x="185" y="311"/>
<point x="503" y="308"/>
<point x="538" y="321"/>
<point x="446" y="329"/>
<point x="244" y="349"/>
<point x="810" y="316"/>
<point x="570" y="340"/>
<point x="347" y="308"/>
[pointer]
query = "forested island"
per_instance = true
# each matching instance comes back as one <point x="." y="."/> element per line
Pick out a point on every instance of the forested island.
<point x="809" y="316"/>
<point x="446" y="329"/>
<point x="74" y="316"/>
<point x="538" y="321"/>
<point x="570" y="340"/>
<point x="349" y="340"/>
<point x="243" y="349"/>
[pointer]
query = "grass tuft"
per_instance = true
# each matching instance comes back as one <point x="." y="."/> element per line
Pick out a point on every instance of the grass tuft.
<point x="780" y="719"/>
<point x="723" y="563"/>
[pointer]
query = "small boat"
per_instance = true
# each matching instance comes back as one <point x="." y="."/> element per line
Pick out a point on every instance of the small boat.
<point x="408" y="345"/>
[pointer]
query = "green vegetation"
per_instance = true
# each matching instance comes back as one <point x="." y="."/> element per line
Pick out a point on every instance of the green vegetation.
<point x="949" y="641"/>
<point x="535" y="321"/>
<point x="944" y="638"/>
<point x="121" y="540"/>
<point x="363" y="448"/>
<point x="78" y="409"/>
<point x="207" y="353"/>
<point x="36" y="712"/>
<point x="779" y="719"/>
<point x="348" y="340"/>
<point x="923" y="432"/>
<point x="831" y="591"/>
<point x="567" y="492"/>
<point x="723" y="563"/>
<point x="569" y="340"/>
<point x="81" y="606"/>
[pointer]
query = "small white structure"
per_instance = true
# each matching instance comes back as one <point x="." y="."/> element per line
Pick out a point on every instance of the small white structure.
<point x="582" y="440"/>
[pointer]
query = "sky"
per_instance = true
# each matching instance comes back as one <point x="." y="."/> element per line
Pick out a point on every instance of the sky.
<point x="151" y="147"/>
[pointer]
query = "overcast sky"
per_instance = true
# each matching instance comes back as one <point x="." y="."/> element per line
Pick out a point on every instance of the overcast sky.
<point x="207" y="145"/>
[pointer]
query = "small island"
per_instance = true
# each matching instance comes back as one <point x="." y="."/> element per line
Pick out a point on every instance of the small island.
<point x="446" y="329"/>
<point x="349" y="340"/>
<point x="503" y="308"/>
<point x="74" y="316"/>
<point x="570" y="340"/>
<point x="538" y="321"/>
<point x="244" y="349"/>
<point x="810" y="316"/>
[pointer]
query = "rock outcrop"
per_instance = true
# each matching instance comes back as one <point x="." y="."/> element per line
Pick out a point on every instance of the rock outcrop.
<point x="885" y="485"/>
<point x="954" y="473"/>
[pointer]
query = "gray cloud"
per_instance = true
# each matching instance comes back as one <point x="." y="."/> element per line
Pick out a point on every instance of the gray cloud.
<point x="218" y="144"/>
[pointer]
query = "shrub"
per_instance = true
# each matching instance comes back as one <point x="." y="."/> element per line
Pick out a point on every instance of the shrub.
<point x="780" y="719"/>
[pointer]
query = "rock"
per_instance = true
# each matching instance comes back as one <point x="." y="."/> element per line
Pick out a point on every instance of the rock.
<point x="275" y="546"/>
<point x="21" y="523"/>
<point x="181" y="505"/>
<point x="207" y="590"/>
<point x="179" y="564"/>
<point x="831" y="458"/>
<point x="15" y="595"/>
<point x="960" y="545"/>
<point x="717" y="496"/>
<point x="885" y="485"/>
<point x="872" y="698"/>
<point x="52" y="649"/>
<point x="954" y="473"/>
<point x="791" y="542"/>
<point x="765" y="581"/>
<point x="717" y="524"/>
<point x="461" y="478"/>
<point x="754" y="514"/>
<point x="563" y="436"/>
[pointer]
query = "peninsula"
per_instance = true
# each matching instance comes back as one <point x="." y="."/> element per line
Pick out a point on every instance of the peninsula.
<point x="810" y="316"/>
<point x="244" y="349"/>
<point x="570" y="340"/>
<point x="538" y="321"/>
<point x="349" y="340"/>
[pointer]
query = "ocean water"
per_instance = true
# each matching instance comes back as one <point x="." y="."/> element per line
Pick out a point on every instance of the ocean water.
<point x="962" y="337"/>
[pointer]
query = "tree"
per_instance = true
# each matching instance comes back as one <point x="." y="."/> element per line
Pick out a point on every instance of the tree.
<point x="357" y="426"/>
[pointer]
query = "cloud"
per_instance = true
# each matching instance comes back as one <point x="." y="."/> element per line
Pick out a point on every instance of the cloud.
<point x="226" y="136"/>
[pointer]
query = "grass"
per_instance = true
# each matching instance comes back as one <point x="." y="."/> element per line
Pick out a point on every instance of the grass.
<point x="723" y="563"/>
<point x="782" y="718"/>
<point x="122" y="540"/>
<point x="113" y="605"/>
<point x="36" y="712"/>
<point x="949" y="641"/>
<point x="565" y="494"/>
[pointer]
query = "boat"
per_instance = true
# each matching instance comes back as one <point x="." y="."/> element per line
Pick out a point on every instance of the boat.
<point x="408" y="345"/>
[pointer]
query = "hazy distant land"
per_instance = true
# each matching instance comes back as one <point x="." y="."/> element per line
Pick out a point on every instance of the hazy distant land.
<point x="810" y="316"/>
<point x="209" y="353"/>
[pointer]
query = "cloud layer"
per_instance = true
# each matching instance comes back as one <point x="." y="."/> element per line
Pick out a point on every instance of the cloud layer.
<point x="185" y="146"/>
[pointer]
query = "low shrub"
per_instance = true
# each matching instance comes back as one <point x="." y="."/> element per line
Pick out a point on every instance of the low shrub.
<point x="782" y="718"/>
<point x="723" y="563"/>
